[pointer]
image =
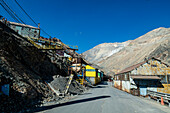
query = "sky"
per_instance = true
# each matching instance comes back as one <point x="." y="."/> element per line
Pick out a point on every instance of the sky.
<point x="87" y="23"/>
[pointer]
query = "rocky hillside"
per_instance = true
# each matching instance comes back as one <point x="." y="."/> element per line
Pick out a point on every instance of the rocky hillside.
<point x="154" y="43"/>
<point x="28" y="72"/>
<point x="103" y="51"/>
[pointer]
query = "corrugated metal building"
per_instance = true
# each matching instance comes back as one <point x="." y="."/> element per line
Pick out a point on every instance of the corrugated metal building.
<point x="93" y="74"/>
<point x="151" y="74"/>
<point x="25" y="30"/>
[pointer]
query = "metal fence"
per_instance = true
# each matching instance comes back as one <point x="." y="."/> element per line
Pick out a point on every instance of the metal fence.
<point x="158" y="95"/>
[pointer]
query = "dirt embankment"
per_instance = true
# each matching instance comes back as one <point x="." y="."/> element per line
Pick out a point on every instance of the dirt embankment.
<point x="25" y="69"/>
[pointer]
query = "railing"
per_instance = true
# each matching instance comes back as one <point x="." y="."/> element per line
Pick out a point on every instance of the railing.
<point x="80" y="80"/>
<point x="166" y="97"/>
<point x="88" y="80"/>
<point x="69" y="83"/>
<point x="36" y="45"/>
<point x="50" y="45"/>
<point x="73" y="46"/>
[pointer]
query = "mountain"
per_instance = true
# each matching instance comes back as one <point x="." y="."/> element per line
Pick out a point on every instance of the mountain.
<point x="113" y="57"/>
<point x="103" y="51"/>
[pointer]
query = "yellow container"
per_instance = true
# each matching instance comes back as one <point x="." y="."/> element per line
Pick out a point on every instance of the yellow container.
<point x="92" y="74"/>
<point x="90" y="71"/>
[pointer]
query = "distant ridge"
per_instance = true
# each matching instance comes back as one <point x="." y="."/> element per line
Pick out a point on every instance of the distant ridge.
<point x="113" y="57"/>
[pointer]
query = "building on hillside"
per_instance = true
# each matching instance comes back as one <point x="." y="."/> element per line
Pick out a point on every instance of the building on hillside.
<point x="49" y="43"/>
<point x="151" y="74"/>
<point x="25" y="30"/>
<point x="78" y="66"/>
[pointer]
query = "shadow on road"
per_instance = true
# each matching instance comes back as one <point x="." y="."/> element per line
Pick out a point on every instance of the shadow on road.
<point x="71" y="102"/>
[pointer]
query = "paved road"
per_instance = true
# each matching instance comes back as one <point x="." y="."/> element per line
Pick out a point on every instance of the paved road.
<point x="106" y="99"/>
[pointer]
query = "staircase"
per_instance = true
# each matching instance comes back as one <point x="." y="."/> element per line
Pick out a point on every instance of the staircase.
<point x="69" y="82"/>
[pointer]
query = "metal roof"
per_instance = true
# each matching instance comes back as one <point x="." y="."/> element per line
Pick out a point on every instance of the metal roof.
<point x="19" y="24"/>
<point x="145" y="77"/>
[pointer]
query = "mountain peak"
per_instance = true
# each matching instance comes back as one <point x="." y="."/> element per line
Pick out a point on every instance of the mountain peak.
<point x="117" y="56"/>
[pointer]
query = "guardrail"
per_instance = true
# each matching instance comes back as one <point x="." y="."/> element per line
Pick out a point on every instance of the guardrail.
<point x="166" y="97"/>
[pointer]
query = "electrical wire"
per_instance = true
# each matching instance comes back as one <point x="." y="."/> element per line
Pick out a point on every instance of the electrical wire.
<point x="9" y="13"/>
<point x="13" y="12"/>
<point x="26" y="13"/>
<point x="31" y="18"/>
<point x="14" y="16"/>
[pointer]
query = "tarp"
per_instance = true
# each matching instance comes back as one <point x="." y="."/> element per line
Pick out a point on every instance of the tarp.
<point x="5" y="89"/>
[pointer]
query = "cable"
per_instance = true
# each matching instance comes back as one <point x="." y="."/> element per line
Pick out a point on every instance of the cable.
<point x="13" y="12"/>
<point x="9" y="13"/>
<point x="30" y="17"/>
<point x="26" y="12"/>
<point x="14" y="16"/>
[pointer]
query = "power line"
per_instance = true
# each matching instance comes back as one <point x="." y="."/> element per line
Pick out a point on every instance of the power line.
<point x="13" y="12"/>
<point x="26" y="12"/>
<point x="9" y="13"/>
<point x="15" y="16"/>
<point x="31" y="18"/>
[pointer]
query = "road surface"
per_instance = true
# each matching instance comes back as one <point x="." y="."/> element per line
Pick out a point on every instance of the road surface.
<point x="106" y="99"/>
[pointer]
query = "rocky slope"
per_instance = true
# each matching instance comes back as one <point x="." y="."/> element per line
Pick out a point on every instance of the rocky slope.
<point x="103" y="51"/>
<point x="154" y="43"/>
<point x="28" y="71"/>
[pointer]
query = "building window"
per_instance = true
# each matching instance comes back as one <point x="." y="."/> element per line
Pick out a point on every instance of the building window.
<point x="125" y="77"/>
<point x="90" y="70"/>
<point x="154" y="65"/>
<point x="128" y="76"/>
<point x="13" y="27"/>
<point x="120" y="77"/>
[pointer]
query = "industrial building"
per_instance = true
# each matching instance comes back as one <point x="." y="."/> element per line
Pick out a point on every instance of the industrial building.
<point x="25" y="30"/>
<point x="93" y="74"/>
<point x="151" y="74"/>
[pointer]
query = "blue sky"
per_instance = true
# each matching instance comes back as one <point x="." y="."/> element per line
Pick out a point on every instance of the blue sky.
<point x="87" y="23"/>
